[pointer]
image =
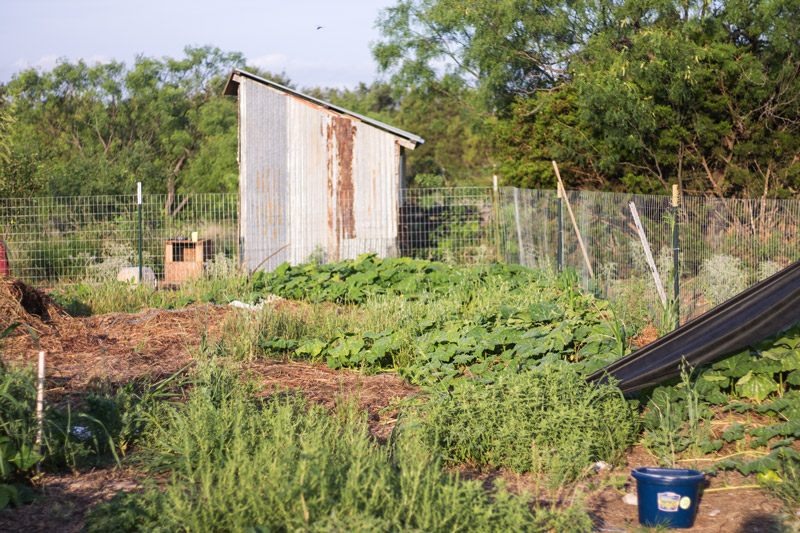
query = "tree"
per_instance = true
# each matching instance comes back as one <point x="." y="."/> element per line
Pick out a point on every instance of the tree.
<point x="99" y="129"/>
<point x="627" y="95"/>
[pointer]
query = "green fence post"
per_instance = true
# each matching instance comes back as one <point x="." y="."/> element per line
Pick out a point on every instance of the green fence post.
<point x="676" y="273"/>
<point x="495" y="193"/>
<point x="139" y="204"/>
<point x="560" y="251"/>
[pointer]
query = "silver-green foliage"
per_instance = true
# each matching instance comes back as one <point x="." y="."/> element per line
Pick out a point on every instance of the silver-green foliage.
<point x="241" y="464"/>
<point x="722" y="277"/>
<point x="767" y="268"/>
<point x="548" y="420"/>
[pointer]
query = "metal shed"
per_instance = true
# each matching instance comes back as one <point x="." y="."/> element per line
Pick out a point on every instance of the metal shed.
<point x="316" y="182"/>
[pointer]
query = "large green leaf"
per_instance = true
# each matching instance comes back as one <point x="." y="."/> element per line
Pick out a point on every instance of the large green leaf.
<point x="756" y="386"/>
<point x="734" y="366"/>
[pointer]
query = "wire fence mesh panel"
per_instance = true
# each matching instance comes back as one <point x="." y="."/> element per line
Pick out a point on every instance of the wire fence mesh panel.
<point x="725" y="245"/>
<point x="529" y="226"/>
<point x="730" y="244"/>
<point x="455" y="225"/>
<point x="76" y="239"/>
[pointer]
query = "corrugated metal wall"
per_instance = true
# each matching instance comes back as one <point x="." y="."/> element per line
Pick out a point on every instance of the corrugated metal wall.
<point x="263" y="174"/>
<point x="326" y="185"/>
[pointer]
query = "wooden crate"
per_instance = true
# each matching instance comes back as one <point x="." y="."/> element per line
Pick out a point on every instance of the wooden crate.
<point x="183" y="259"/>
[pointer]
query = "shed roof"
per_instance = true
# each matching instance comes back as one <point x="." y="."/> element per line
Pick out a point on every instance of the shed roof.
<point x="232" y="88"/>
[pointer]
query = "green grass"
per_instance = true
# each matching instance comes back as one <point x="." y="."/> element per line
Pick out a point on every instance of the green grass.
<point x="119" y="297"/>
<point x="548" y="421"/>
<point x="242" y="464"/>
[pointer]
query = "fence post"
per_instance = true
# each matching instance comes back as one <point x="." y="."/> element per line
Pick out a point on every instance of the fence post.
<point x="139" y="204"/>
<point x="560" y="251"/>
<point x="496" y="219"/>
<point x="676" y="274"/>
<point x="519" y="228"/>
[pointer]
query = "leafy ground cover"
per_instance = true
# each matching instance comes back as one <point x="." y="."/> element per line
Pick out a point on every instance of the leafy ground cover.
<point x="475" y="322"/>
<point x="468" y="333"/>
<point x="528" y="416"/>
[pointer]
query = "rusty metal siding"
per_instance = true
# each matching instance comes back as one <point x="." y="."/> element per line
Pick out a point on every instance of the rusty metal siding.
<point x="308" y="164"/>
<point x="376" y="194"/>
<point x="263" y="176"/>
<point x="325" y="184"/>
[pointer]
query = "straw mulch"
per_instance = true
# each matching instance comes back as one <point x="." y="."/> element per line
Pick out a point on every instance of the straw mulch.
<point x="100" y="353"/>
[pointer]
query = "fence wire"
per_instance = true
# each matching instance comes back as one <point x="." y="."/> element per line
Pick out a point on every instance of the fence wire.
<point x="725" y="245"/>
<point x="76" y="239"/>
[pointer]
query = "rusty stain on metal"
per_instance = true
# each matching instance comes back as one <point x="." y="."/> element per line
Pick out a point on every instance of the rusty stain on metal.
<point x="345" y="133"/>
<point x="303" y="160"/>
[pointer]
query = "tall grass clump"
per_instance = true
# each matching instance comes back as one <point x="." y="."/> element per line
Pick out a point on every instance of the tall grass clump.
<point x="112" y="296"/>
<point x="279" y="464"/>
<point x="547" y="420"/>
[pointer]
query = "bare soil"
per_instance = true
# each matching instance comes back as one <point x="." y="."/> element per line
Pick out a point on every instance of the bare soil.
<point x="87" y="354"/>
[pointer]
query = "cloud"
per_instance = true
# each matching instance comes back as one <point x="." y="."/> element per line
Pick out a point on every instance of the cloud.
<point x="98" y="60"/>
<point x="46" y="62"/>
<point x="270" y="62"/>
<point x="43" y="63"/>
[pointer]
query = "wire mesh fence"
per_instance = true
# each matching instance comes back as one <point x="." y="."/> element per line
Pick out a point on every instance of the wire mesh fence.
<point x="454" y="224"/>
<point x="74" y="239"/>
<point x="725" y="245"/>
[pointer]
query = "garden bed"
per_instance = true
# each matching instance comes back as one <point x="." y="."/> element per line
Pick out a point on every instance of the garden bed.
<point x="205" y="341"/>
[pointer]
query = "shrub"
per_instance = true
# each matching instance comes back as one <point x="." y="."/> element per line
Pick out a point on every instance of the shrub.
<point x="241" y="464"/>
<point x="722" y="277"/>
<point x="548" y="420"/>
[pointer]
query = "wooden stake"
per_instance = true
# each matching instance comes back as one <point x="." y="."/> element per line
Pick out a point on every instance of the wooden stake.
<point x="40" y="408"/>
<point x="648" y="254"/>
<point x="574" y="224"/>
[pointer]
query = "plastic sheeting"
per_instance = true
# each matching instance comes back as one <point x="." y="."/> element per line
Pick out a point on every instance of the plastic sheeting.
<point x="753" y="315"/>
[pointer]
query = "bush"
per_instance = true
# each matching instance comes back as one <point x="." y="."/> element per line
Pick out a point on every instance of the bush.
<point x="241" y="464"/>
<point x="722" y="277"/>
<point x="548" y="420"/>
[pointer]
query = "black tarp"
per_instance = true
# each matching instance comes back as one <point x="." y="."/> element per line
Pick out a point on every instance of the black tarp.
<point x="753" y="315"/>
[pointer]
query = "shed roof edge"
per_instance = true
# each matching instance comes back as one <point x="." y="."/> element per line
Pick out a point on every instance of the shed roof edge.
<point x="232" y="89"/>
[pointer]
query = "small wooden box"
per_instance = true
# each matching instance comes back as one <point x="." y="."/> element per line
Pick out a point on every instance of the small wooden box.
<point x="183" y="259"/>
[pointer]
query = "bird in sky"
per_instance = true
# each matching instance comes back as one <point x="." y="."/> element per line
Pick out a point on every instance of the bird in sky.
<point x="320" y="27"/>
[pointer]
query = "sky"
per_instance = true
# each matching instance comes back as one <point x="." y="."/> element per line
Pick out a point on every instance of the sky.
<point x="278" y="36"/>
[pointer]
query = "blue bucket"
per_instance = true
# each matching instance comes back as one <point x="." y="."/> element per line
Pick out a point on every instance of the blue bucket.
<point x="668" y="496"/>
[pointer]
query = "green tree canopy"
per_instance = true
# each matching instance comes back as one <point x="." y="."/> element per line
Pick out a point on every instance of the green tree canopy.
<point x="627" y="95"/>
<point x="97" y="129"/>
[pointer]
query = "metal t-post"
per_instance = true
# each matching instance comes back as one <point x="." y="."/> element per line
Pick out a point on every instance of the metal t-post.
<point x="560" y="251"/>
<point x="139" y="203"/>
<point x="676" y="274"/>
<point x="496" y="202"/>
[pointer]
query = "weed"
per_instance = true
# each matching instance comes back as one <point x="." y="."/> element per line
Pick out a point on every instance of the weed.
<point x="241" y="464"/>
<point x="787" y="485"/>
<point x="722" y="277"/>
<point x="677" y="419"/>
<point x="547" y="420"/>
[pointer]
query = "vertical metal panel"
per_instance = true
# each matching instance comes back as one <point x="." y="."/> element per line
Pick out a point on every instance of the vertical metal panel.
<point x="263" y="176"/>
<point x="376" y="202"/>
<point x="309" y="168"/>
<point x="327" y="185"/>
